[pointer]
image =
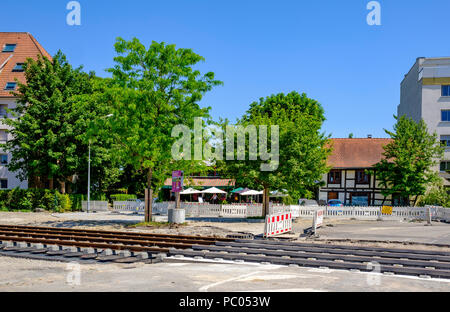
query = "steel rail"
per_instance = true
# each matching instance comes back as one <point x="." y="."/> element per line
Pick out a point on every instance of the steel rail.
<point x="346" y="247"/>
<point x="104" y="236"/>
<point x="102" y="232"/>
<point x="334" y="250"/>
<point x="314" y="263"/>
<point x="323" y="256"/>
<point x="71" y="243"/>
<point x="19" y="235"/>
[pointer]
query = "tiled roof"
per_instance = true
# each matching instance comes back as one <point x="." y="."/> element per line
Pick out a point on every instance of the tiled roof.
<point x="205" y="182"/>
<point x="356" y="153"/>
<point x="26" y="47"/>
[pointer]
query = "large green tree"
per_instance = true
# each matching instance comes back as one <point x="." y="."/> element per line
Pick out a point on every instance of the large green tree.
<point x="152" y="90"/>
<point x="407" y="168"/>
<point x="302" y="147"/>
<point x="49" y="124"/>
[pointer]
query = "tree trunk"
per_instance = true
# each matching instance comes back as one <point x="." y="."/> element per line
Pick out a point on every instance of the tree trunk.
<point x="384" y="199"/>
<point x="149" y="196"/>
<point x="50" y="184"/>
<point x="266" y="201"/>
<point x="63" y="187"/>
<point x="415" y="200"/>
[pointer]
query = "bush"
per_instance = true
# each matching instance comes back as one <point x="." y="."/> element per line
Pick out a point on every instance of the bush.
<point x="122" y="197"/>
<point x="32" y="199"/>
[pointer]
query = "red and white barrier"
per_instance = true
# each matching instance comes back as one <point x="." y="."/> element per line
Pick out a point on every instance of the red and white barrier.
<point x="318" y="219"/>
<point x="277" y="224"/>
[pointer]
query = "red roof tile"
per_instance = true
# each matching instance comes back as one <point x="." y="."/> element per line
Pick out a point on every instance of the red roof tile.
<point x="26" y="47"/>
<point x="356" y="153"/>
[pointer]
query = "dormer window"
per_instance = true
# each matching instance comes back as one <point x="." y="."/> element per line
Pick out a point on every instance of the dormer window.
<point x="18" y="68"/>
<point x="9" y="47"/>
<point x="11" y="86"/>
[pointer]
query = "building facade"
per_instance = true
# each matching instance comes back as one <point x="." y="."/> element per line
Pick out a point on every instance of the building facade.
<point x="349" y="179"/>
<point x="425" y="94"/>
<point x="15" y="49"/>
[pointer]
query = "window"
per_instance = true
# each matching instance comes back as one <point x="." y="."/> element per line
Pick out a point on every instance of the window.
<point x="445" y="166"/>
<point x="398" y="200"/>
<point x="445" y="115"/>
<point x="360" y="199"/>
<point x="3" y="159"/>
<point x="3" y="112"/>
<point x="445" y="140"/>
<point x="11" y="86"/>
<point x="9" y="47"/>
<point x="3" y="136"/>
<point x="362" y="177"/>
<point x="4" y="183"/>
<point x="18" y="68"/>
<point x="334" y="177"/>
<point x="446" y="90"/>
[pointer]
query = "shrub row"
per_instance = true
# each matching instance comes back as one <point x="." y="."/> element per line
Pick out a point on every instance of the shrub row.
<point x="32" y="199"/>
<point x="122" y="197"/>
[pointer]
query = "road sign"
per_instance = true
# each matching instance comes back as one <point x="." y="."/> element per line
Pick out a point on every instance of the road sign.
<point x="387" y="210"/>
<point x="177" y="181"/>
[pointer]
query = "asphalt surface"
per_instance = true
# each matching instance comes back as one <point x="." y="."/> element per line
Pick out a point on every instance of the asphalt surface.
<point x="19" y="274"/>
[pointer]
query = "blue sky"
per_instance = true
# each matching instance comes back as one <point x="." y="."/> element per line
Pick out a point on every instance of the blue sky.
<point x="323" y="47"/>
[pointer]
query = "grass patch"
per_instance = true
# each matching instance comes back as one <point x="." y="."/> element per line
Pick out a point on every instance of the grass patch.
<point x="4" y="209"/>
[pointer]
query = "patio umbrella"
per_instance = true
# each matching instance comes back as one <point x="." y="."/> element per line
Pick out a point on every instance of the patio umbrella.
<point x="213" y="190"/>
<point x="277" y="194"/>
<point x="190" y="191"/>
<point x="251" y="193"/>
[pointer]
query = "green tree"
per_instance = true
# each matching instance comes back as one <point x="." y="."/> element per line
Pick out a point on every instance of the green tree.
<point x="49" y="123"/>
<point x="407" y="167"/>
<point x="151" y="91"/>
<point x="303" y="148"/>
<point x="436" y="195"/>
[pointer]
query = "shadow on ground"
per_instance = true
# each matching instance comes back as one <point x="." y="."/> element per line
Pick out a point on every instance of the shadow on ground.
<point x="89" y="223"/>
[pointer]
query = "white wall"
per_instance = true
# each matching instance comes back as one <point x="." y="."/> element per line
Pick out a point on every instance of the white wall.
<point x="13" y="181"/>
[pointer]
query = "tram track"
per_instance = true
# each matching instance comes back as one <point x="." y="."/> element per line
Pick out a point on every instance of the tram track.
<point x="128" y="247"/>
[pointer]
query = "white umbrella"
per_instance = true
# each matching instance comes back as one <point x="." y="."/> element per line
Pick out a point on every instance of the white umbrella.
<point x="278" y="194"/>
<point x="190" y="191"/>
<point x="213" y="190"/>
<point x="251" y="193"/>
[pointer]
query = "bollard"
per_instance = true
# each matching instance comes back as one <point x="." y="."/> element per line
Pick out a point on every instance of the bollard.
<point x="177" y="216"/>
<point x="428" y="216"/>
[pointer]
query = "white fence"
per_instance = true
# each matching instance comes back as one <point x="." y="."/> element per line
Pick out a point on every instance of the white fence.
<point x="94" y="206"/>
<point x="205" y="210"/>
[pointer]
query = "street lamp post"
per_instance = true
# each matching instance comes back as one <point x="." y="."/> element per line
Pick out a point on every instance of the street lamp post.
<point x="89" y="172"/>
<point x="89" y="179"/>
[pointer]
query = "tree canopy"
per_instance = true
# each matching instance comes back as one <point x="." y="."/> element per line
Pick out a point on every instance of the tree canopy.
<point x="151" y="91"/>
<point x="302" y="148"/>
<point x="407" y="167"/>
<point x="49" y="123"/>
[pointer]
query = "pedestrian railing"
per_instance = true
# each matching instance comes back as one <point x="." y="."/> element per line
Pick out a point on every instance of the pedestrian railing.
<point x="206" y="210"/>
<point x="94" y="206"/>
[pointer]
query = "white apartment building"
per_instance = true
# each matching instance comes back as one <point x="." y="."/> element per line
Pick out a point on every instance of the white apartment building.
<point x="15" y="48"/>
<point x="425" y="94"/>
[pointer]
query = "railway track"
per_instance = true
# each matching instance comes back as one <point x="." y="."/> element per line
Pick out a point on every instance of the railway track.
<point x="128" y="247"/>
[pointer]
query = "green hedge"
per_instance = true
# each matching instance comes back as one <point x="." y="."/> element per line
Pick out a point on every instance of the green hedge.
<point x="32" y="199"/>
<point x="122" y="197"/>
